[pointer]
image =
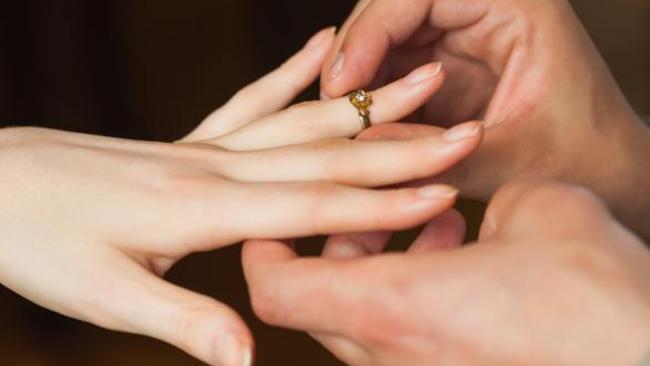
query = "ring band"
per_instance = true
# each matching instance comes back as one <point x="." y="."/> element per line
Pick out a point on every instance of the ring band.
<point x="362" y="100"/>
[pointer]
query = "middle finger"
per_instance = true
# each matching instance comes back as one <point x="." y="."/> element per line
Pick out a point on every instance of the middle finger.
<point x="354" y="162"/>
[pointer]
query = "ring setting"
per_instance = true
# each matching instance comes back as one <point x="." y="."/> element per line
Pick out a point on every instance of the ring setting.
<point x="362" y="100"/>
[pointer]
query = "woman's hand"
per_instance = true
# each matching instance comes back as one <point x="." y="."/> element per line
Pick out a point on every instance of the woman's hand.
<point x="553" y="280"/>
<point x="529" y="70"/>
<point x="90" y="224"/>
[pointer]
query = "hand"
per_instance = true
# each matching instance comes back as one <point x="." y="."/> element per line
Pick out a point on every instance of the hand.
<point x="91" y="224"/>
<point x="553" y="280"/>
<point x="529" y="70"/>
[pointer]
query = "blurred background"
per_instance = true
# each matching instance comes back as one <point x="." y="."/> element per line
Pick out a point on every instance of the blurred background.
<point x="152" y="69"/>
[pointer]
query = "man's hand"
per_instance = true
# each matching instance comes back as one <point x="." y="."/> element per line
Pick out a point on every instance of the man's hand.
<point x="529" y="70"/>
<point x="553" y="280"/>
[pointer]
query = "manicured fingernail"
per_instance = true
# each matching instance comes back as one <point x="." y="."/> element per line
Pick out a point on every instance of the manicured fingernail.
<point x="463" y="132"/>
<point x="319" y="37"/>
<point x="337" y="66"/>
<point x="231" y="352"/>
<point x="436" y="192"/>
<point x="424" y="73"/>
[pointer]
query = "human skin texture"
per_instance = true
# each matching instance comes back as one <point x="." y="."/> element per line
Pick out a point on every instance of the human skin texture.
<point x="528" y="70"/>
<point x="554" y="279"/>
<point x="91" y="224"/>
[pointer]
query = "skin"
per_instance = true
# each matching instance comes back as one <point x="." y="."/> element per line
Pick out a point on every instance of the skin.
<point x="529" y="70"/>
<point x="91" y="224"/>
<point x="553" y="280"/>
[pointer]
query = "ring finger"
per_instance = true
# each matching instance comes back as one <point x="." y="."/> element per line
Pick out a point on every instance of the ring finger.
<point x="313" y="121"/>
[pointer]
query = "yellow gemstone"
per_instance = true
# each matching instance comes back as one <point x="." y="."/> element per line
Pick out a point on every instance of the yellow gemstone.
<point x="361" y="99"/>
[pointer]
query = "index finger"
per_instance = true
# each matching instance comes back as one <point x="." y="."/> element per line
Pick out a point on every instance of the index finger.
<point x="310" y="294"/>
<point x="382" y="25"/>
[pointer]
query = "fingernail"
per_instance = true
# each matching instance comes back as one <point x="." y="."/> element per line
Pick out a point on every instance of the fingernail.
<point x="248" y="357"/>
<point x="319" y="37"/>
<point x="231" y="352"/>
<point x="437" y="192"/>
<point x="337" y="66"/>
<point x="488" y="228"/>
<point x="324" y="96"/>
<point x="424" y="73"/>
<point x="463" y="132"/>
<point x="344" y="250"/>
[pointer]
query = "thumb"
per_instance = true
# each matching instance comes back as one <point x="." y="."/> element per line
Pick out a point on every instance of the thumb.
<point x="543" y="209"/>
<point x="445" y="232"/>
<point x="373" y="28"/>
<point x="206" y="329"/>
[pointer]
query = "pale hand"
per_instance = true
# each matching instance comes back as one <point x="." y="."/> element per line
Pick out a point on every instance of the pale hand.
<point x="90" y="224"/>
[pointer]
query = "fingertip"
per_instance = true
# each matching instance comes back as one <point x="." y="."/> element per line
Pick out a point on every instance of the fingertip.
<point x="268" y="248"/>
<point x="334" y="79"/>
<point x="320" y="38"/>
<point x="405" y="96"/>
<point x="467" y="131"/>
<point x="446" y="231"/>
<point x="248" y="357"/>
<point x="437" y="192"/>
<point x="400" y="209"/>
<point x="356" y="245"/>
<point x="424" y="73"/>
<point x="428" y="202"/>
<point x="423" y="204"/>
<point x="356" y="63"/>
<point x="313" y="55"/>
<point x="323" y="96"/>
<point x="232" y="349"/>
<point x="258" y="255"/>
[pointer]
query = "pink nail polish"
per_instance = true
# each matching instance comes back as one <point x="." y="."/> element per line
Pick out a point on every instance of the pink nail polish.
<point x="337" y="66"/>
<point x="424" y="73"/>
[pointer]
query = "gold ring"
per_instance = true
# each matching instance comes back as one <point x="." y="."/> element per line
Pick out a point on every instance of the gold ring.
<point x="362" y="100"/>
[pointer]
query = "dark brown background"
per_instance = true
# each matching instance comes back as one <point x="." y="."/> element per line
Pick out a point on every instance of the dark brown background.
<point x="152" y="69"/>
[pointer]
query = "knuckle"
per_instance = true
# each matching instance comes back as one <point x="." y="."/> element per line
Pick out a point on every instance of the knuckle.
<point x="202" y="153"/>
<point x="191" y="170"/>
<point x="380" y="323"/>
<point x="183" y="185"/>
<point x="549" y="198"/>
